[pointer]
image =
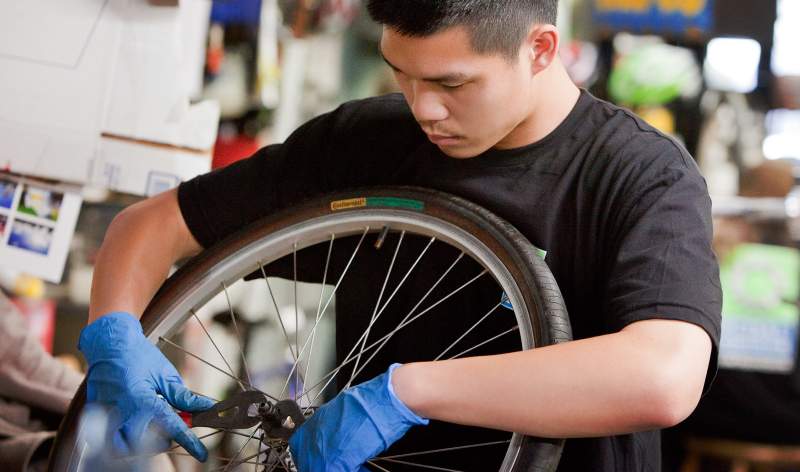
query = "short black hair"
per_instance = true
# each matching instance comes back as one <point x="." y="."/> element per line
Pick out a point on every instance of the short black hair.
<point x="495" y="26"/>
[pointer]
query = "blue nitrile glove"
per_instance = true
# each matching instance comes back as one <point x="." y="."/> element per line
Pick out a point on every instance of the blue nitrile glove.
<point x="129" y="373"/>
<point x="357" y="425"/>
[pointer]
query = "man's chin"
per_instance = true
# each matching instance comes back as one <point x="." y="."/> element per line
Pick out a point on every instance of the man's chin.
<point x="461" y="152"/>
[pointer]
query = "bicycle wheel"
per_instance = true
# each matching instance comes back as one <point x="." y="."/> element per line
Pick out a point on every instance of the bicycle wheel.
<point x="414" y="275"/>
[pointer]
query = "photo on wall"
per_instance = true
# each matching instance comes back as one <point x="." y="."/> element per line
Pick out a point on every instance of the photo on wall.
<point x="40" y="203"/>
<point x="31" y="237"/>
<point x="7" y="190"/>
<point x="37" y="224"/>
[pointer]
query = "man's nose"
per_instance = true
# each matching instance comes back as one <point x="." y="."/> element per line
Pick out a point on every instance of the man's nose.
<point x="427" y="105"/>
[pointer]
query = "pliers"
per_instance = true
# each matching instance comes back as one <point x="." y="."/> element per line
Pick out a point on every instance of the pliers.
<point x="243" y="410"/>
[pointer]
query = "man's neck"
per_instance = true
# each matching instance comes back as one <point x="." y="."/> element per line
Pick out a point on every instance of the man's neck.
<point x="556" y="96"/>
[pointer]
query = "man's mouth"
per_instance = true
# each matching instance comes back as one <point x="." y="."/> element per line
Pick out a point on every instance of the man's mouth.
<point x="443" y="139"/>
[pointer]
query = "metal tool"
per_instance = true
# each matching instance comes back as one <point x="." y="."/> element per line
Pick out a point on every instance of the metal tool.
<point x="250" y="408"/>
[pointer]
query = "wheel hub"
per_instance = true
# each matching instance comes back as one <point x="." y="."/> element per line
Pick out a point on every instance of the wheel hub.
<point x="281" y="420"/>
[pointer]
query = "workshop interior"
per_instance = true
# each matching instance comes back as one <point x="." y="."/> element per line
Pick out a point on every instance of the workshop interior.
<point x="106" y="103"/>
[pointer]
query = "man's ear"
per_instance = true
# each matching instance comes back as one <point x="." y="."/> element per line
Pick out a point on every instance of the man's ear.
<point x="542" y="46"/>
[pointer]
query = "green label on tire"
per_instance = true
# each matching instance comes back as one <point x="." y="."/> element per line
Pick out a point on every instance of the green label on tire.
<point x="391" y="202"/>
<point x="403" y="203"/>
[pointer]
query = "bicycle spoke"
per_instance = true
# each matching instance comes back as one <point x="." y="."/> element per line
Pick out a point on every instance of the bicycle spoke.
<point x="169" y="450"/>
<point x="296" y="324"/>
<point x="242" y="449"/>
<point x="318" y="315"/>
<point x="276" y="460"/>
<point x="405" y="321"/>
<point x="399" y="327"/>
<point x="260" y="451"/>
<point x="327" y="303"/>
<point x="388" y="300"/>
<point x="272" y="466"/>
<point x="277" y="312"/>
<point x="238" y="335"/>
<point x="421" y="466"/>
<point x="515" y="328"/>
<point x="282" y="460"/>
<point x="469" y="331"/>
<point x="383" y="469"/>
<point x="377" y="305"/>
<point x="216" y="347"/>
<point x="269" y="463"/>
<point x="244" y="460"/>
<point x="214" y="433"/>
<point x="348" y="357"/>
<point x="186" y="454"/>
<point x="180" y="348"/>
<point x="445" y="449"/>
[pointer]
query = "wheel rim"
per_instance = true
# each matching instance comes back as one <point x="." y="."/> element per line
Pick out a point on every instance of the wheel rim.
<point x="184" y="308"/>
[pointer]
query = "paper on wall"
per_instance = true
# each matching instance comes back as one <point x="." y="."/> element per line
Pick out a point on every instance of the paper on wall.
<point x="146" y="169"/>
<point x="37" y="221"/>
<point x="161" y="62"/>
<point x="56" y="63"/>
<point x="153" y="138"/>
<point x="73" y="72"/>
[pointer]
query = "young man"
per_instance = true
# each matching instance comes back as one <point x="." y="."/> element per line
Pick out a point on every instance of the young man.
<point x="487" y="113"/>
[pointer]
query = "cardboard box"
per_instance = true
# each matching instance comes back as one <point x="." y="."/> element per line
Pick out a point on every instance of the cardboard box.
<point x="104" y="96"/>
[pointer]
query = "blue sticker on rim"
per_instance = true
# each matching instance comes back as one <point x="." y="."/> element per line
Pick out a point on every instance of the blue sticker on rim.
<point x="505" y="302"/>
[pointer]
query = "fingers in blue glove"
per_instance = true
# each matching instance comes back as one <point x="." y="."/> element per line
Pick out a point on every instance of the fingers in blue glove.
<point x="133" y="431"/>
<point x="184" y="399"/>
<point x="127" y="372"/>
<point x="179" y="396"/>
<point x="175" y="428"/>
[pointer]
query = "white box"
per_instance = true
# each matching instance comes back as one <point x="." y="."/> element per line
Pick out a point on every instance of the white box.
<point x="98" y="91"/>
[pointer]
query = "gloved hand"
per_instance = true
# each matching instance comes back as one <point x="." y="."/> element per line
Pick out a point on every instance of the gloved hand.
<point x="129" y="373"/>
<point x="357" y="425"/>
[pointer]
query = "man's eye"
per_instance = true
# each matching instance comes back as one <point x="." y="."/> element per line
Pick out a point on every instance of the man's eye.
<point x="452" y="86"/>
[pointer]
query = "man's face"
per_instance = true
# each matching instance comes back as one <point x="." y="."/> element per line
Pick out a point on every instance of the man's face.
<point x="466" y="102"/>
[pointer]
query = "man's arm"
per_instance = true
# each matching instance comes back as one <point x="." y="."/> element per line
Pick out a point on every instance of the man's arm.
<point x="650" y="375"/>
<point x="126" y="371"/>
<point x="140" y="247"/>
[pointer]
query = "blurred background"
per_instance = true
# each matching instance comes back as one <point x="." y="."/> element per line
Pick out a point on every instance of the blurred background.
<point x="153" y="93"/>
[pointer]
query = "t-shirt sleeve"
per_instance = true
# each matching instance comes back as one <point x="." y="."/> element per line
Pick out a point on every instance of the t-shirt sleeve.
<point x="356" y="145"/>
<point x="665" y="267"/>
<point x="221" y="202"/>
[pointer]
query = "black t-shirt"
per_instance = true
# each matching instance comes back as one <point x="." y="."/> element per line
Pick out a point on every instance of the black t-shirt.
<point x="621" y="210"/>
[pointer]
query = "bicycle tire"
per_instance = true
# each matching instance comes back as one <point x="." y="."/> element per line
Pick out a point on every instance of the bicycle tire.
<point x="539" y="291"/>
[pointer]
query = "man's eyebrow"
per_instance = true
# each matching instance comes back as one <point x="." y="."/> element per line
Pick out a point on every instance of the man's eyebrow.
<point x="453" y="77"/>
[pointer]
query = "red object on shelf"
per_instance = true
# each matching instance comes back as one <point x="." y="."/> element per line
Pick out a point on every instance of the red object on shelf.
<point x="228" y="150"/>
<point x="214" y="58"/>
<point x="41" y="318"/>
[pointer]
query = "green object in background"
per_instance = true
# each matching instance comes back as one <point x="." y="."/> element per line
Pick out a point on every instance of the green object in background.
<point x="761" y="282"/>
<point x="759" y="310"/>
<point x="653" y="75"/>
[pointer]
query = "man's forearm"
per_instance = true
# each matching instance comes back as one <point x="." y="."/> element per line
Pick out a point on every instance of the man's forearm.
<point x="139" y="249"/>
<point x="634" y="380"/>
